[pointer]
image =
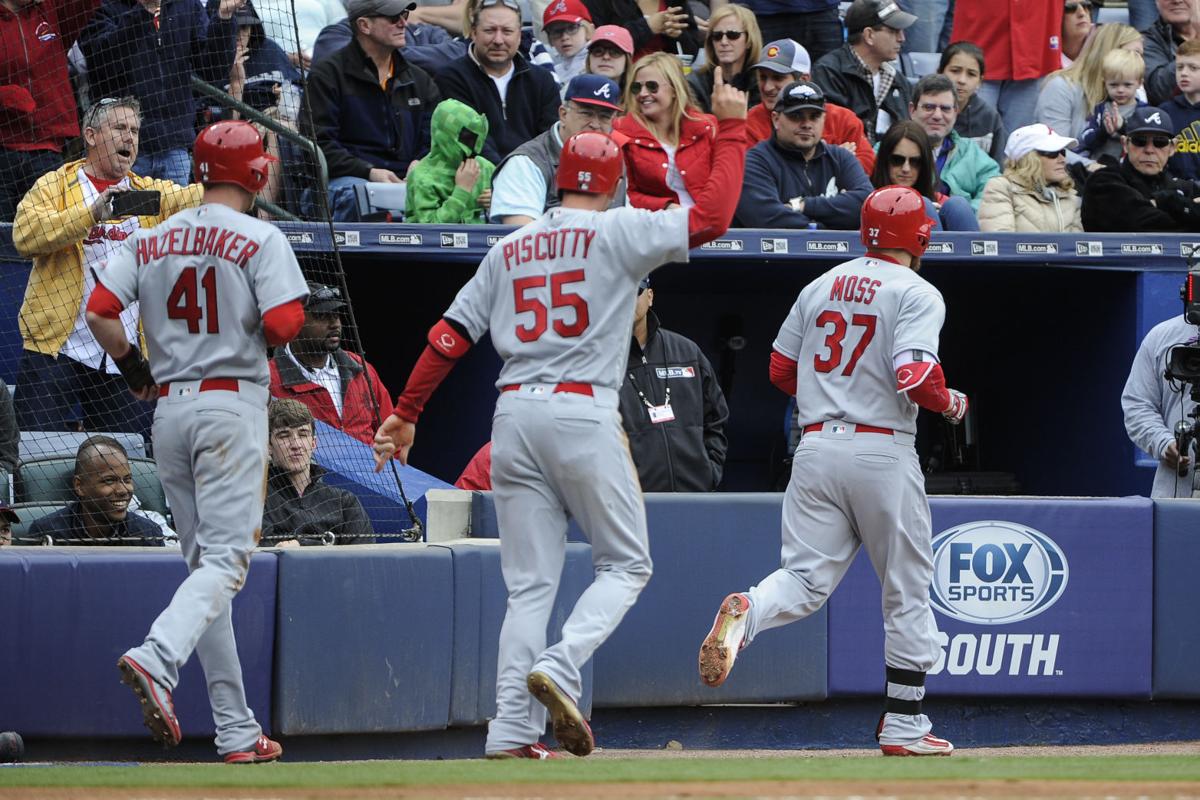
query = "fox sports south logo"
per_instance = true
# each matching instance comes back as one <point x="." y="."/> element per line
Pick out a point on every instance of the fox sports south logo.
<point x="996" y="573"/>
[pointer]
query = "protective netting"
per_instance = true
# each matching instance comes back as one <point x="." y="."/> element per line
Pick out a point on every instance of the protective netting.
<point x="97" y="120"/>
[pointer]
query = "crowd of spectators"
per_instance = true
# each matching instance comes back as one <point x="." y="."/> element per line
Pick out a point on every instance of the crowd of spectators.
<point x="366" y="80"/>
<point x="1037" y="121"/>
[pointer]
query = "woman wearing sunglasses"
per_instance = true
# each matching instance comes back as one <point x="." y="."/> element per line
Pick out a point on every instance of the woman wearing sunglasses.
<point x="1035" y="194"/>
<point x="669" y="151"/>
<point x="905" y="158"/>
<point x="733" y="43"/>
<point x="610" y="53"/>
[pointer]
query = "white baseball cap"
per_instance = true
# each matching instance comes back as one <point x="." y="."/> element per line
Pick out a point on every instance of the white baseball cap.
<point x="1041" y="137"/>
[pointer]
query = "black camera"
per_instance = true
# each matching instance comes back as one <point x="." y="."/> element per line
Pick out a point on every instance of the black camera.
<point x="1183" y="365"/>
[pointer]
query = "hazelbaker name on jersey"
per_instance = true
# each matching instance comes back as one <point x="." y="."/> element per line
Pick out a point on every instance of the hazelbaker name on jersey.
<point x="548" y="245"/>
<point x="217" y="242"/>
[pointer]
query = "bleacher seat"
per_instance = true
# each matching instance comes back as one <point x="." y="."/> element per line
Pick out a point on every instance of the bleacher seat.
<point x="30" y="513"/>
<point x="1113" y="14"/>
<point x="43" y="444"/>
<point x="48" y="480"/>
<point x="381" y="198"/>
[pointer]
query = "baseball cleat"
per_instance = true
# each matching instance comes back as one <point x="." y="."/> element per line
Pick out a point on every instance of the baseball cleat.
<point x="264" y="750"/>
<point x="158" y="710"/>
<point x="726" y="638"/>
<point x="927" y="745"/>
<point x="570" y="728"/>
<point x="537" y="750"/>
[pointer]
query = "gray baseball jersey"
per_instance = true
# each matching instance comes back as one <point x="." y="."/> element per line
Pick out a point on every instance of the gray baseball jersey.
<point x="204" y="278"/>
<point x="558" y="294"/>
<point x="845" y="331"/>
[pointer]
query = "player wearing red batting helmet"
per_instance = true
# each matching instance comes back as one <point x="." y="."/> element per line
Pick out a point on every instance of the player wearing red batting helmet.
<point x="590" y="163"/>
<point x="894" y="217"/>
<point x="232" y="152"/>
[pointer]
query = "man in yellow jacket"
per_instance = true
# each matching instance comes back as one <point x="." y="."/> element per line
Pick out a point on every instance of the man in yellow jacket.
<point x="67" y="225"/>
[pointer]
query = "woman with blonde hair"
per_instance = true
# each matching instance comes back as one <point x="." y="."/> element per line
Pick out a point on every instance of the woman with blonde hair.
<point x="1068" y="96"/>
<point x="733" y="43"/>
<point x="1034" y="194"/>
<point x="669" y="151"/>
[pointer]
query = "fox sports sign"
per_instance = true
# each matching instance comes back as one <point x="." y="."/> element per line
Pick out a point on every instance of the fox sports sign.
<point x="996" y="573"/>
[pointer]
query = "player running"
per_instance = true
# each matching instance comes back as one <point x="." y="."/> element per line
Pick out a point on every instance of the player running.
<point x="859" y="352"/>
<point x="216" y="286"/>
<point x="558" y="298"/>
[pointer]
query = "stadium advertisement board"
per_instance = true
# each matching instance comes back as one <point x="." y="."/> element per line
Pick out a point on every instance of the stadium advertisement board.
<point x="1031" y="597"/>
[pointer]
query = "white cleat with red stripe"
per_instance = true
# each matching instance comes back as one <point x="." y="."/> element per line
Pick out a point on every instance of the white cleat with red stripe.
<point x="928" y="745"/>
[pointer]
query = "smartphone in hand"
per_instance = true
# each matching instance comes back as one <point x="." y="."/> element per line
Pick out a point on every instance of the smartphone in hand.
<point x="136" y="203"/>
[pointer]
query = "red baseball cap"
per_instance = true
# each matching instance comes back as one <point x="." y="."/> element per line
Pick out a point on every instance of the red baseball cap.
<point x="615" y="35"/>
<point x="565" y="11"/>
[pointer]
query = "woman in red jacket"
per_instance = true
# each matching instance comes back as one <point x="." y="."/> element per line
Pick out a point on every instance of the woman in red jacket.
<point x="669" y="150"/>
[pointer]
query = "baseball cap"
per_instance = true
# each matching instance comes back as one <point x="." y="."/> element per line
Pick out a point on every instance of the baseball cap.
<point x="323" y="299"/>
<point x="784" y="56"/>
<point x="565" y="11"/>
<point x="8" y="513"/>
<point x="594" y="90"/>
<point x="1025" y="140"/>
<point x="644" y="283"/>
<point x="246" y="16"/>
<point x="377" y="8"/>
<point x="800" y="95"/>
<point x="872" y="13"/>
<point x="1149" y="119"/>
<point x="615" y="35"/>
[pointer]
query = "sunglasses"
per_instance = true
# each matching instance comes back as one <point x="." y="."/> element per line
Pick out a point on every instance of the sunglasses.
<point x="650" y="86"/>
<point x="1071" y="8"/>
<point x="510" y="3"/>
<point x="393" y="18"/>
<point x="324" y="293"/>
<point x="1160" y="142"/>
<point x="896" y="160"/>
<point x="1053" y="153"/>
<point x="558" y="29"/>
<point x="732" y="36"/>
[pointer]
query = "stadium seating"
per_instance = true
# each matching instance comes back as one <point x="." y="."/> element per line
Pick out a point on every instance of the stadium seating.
<point x="48" y="480"/>
<point x="42" y="444"/>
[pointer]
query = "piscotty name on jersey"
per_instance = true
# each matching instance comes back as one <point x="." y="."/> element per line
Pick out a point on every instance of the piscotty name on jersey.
<point x="548" y="245"/>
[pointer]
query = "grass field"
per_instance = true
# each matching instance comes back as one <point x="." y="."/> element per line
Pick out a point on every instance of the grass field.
<point x="1149" y="776"/>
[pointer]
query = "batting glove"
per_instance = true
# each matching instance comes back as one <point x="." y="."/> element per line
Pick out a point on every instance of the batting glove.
<point x="135" y="369"/>
<point x="957" y="409"/>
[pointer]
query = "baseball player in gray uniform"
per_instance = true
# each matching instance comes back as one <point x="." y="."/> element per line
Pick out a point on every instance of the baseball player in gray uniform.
<point x="557" y="297"/>
<point x="216" y="286"/>
<point x="859" y="351"/>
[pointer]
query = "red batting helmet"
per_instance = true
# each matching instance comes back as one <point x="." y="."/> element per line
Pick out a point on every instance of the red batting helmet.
<point x="231" y="152"/>
<point x="590" y="162"/>
<point x="894" y="217"/>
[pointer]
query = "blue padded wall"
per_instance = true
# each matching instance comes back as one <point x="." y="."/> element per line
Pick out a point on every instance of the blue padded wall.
<point x="1176" y="629"/>
<point x="364" y="639"/>
<point x="705" y="546"/>
<point x="480" y="598"/>
<point x="71" y="612"/>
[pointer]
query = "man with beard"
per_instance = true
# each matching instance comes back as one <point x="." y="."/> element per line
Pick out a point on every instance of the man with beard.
<point x="341" y="389"/>
<point x="67" y="225"/>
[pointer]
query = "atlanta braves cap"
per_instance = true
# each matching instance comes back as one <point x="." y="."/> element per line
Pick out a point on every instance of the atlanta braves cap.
<point x="594" y="90"/>
<point x="784" y="56"/>
<point x="1150" y="119"/>
<point x="571" y="11"/>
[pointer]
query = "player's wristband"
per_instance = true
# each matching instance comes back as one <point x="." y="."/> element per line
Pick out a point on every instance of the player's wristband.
<point x="135" y="369"/>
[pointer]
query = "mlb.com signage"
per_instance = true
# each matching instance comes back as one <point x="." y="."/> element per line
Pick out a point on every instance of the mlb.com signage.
<point x="1030" y="597"/>
<point x="997" y="573"/>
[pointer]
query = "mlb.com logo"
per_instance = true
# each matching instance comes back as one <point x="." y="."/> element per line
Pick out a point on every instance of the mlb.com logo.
<point x="997" y="573"/>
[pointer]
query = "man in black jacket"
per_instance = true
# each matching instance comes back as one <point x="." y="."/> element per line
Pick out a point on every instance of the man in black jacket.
<point x="672" y="408"/>
<point x="370" y="109"/>
<point x="874" y="34"/>
<point x="519" y="100"/>
<point x="1137" y="194"/>
<point x="301" y="508"/>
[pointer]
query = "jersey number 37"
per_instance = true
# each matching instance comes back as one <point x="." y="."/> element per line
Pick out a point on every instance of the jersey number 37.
<point x="560" y="298"/>
<point x="835" y="327"/>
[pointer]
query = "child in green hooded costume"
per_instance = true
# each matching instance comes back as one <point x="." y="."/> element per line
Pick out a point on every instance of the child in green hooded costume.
<point x="445" y="185"/>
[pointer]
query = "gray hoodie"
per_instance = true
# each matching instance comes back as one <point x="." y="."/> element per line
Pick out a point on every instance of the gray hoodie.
<point x="1152" y="407"/>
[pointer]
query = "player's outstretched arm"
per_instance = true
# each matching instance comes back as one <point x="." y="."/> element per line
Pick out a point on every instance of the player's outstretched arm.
<point x="448" y="342"/>
<point x="716" y="202"/>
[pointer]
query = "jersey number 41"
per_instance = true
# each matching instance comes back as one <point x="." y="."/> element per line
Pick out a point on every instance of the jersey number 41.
<point x="183" y="301"/>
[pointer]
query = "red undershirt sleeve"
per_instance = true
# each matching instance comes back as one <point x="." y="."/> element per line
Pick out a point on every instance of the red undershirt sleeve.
<point x="104" y="303"/>
<point x="783" y="372"/>
<point x="283" y="322"/>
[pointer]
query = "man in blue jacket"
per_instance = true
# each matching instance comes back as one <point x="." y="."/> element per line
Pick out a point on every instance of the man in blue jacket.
<point x="149" y="49"/>
<point x="794" y="179"/>
<point x="519" y="100"/>
<point x="368" y="108"/>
